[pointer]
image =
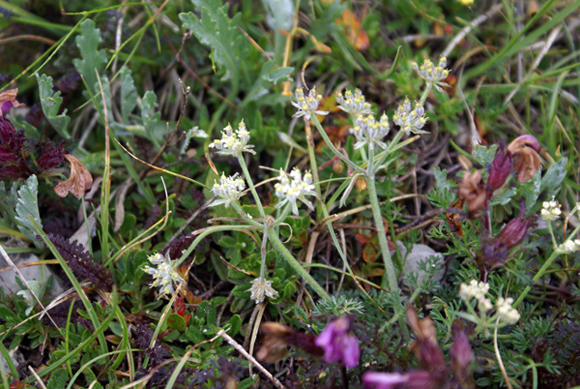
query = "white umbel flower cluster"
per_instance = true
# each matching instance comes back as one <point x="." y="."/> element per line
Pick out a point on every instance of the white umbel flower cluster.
<point x="294" y="186"/>
<point x="164" y="275"/>
<point x="233" y="143"/>
<point x="409" y="118"/>
<point x="307" y="106"/>
<point x="550" y="210"/>
<point x="262" y="288"/>
<point x="476" y="290"/>
<point x="569" y="246"/>
<point x="433" y="75"/>
<point x="367" y="130"/>
<point x="229" y="189"/>
<point x="353" y="104"/>
<point x="506" y="313"/>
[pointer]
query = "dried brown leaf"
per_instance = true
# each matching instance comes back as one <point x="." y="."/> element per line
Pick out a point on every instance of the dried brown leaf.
<point x="79" y="182"/>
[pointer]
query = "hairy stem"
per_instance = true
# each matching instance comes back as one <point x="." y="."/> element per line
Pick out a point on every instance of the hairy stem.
<point x="298" y="267"/>
<point x="251" y="185"/>
<point x="313" y="166"/>
<point x="389" y="278"/>
<point x="333" y="148"/>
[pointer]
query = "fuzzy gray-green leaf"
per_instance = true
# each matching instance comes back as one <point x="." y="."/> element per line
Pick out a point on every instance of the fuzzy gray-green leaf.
<point x="92" y="58"/>
<point x="26" y="206"/>
<point x="128" y="94"/>
<point x="219" y="32"/>
<point x="51" y="104"/>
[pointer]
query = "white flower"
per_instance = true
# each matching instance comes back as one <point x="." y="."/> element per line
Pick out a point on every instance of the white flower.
<point x="164" y="274"/>
<point x="233" y="143"/>
<point x="550" y="210"/>
<point x="432" y="74"/>
<point x="354" y="105"/>
<point x="368" y="130"/>
<point x="307" y="106"/>
<point x="569" y="246"/>
<point x="505" y="311"/>
<point x="260" y="288"/>
<point x="476" y="290"/>
<point x="409" y="119"/>
<point x="294" y="187"/>
<point x="229" y="189"/>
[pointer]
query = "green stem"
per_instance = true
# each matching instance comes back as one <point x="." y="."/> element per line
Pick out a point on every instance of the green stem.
<point x="263" y="253"/>
<point x="540" y="273"/>
<point x="313" y="166"/>
<point x="298" y="267"/>
<point x="205" y="233"/>
<point x="544" y="268"/>
<point x="251" y="185"/>
<point x="245" y="216"/>
<point x="333" y="148"/>
<point x="425" y="94"/>
<point x="390" y="281"/>
<point x="283" y="215"/>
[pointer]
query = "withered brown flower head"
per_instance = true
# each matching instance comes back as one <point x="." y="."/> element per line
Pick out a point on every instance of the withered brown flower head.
<point x="277" y="337"/>
<point x="8" y="100"/>
<point x="473" y="191"/>
<point x="525" y="157"/>
<point x="79" y="182"/>
<point x="426" y="347"/>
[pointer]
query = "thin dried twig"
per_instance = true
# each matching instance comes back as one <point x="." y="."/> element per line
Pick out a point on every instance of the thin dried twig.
<point x="499" y="360"/>
<point x="189" y="221"/>
<point x="467" y="29"/>
<point x="19" y="274"/>
<point x="250" y="359"/>
<point x="549" y="42"/>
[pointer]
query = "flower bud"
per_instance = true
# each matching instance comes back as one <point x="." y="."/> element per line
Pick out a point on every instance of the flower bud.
<point x="501" y="168"/>
<point x="460" y="352"/>
<point x="514" y="232"/>
<point x="337" y="166"/>
<point x="361" y="184"/>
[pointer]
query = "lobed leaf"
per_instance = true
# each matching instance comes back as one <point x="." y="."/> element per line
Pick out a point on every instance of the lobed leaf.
<point x="92" y="58"/>
<point x="26" y="207"/>
<point x="219" y="32"/>
<point x="51" y="105"/>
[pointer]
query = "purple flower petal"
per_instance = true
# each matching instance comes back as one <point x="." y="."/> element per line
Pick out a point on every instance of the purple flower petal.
<point x="376" y="380"/>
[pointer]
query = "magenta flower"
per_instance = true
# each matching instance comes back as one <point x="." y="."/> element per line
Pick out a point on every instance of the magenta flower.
<point x="501" y="168"/>
<point x="413" y="380"/>
<point x="338" y="345"/>
<point x="375" y="380"/>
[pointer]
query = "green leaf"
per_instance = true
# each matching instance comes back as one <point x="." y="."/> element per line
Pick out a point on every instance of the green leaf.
<point x="242" y="291"/>
<point x="51" y="104"/>
<point x="289" y="290"/>
<point x="128" y="94"/>
<point x="483" y="154"/>
<point x="554" y="176"/>
<point x="176" y="322"/>
<point x="216" y="30"/>
<point x="93" y="60"/>
<point x="504" y="197"/>
<point x="531" y="190"/>
<point x="235" y="323"/>
<point x="280" y="73"/>
<point x="441" y="180"/>
<point x="27" y="205"/>
<point x="150" y="120"/>
<point x="57" y="379"/>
